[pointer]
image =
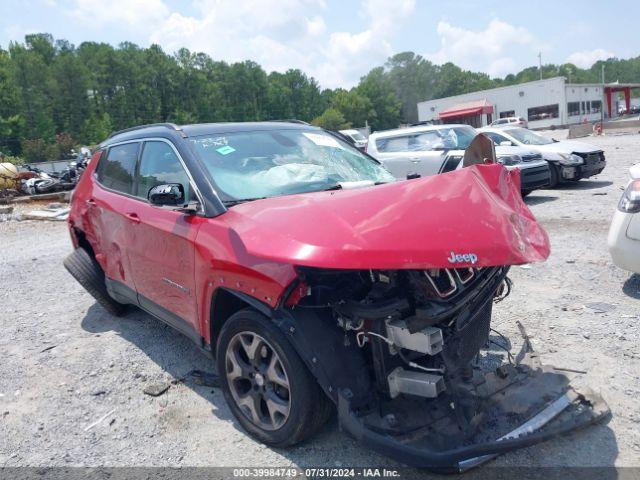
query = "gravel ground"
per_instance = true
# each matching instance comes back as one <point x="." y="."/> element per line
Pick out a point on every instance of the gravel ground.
<point x="67" y="364"/>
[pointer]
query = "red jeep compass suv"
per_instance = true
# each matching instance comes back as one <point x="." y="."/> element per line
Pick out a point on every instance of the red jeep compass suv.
<point x="315" y="279"/>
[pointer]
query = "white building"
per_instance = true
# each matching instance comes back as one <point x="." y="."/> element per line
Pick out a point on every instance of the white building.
<point x="542" y="103"/>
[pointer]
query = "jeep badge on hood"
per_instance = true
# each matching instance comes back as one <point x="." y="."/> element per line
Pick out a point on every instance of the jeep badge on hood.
<point x="463" y="258"/>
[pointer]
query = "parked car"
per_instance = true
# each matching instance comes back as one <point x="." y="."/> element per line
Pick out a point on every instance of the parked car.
<point x="315" y="279"/>
<point x="624" y="233"/>
<point x="432" y="149"/>
<point x="510" y="122"/>
<point x="357" y="138"/>
<point x="569" y="160"/>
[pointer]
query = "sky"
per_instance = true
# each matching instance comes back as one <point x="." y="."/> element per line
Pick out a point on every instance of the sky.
<point x="339" y="41"/>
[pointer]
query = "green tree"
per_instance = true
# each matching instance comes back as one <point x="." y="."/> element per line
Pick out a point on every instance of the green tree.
<point x="34" y="150"/>
<point x="49" y="88"/>
<point x="376" y="86"/>
<point x="331" y="119"/>
<point x="96" y="128"/>
<point x="293" y="95"/>
<point x="355" y="108"/>
<point x="414" y="80"/>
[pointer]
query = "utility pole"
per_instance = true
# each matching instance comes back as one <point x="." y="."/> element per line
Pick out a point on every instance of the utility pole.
<point x="540" y="63"/>
<point x="604" y="99"/>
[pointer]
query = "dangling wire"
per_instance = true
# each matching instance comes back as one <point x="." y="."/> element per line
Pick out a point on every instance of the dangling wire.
<point x="360" y="340"/>
<point x="507" y="284"/>
<point x="504" y="347"/>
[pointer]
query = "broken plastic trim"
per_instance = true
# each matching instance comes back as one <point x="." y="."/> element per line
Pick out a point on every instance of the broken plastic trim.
<point x="467" y="457"/>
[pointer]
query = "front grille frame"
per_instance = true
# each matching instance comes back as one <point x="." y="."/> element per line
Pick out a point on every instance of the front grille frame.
<point x="435" y="310"/>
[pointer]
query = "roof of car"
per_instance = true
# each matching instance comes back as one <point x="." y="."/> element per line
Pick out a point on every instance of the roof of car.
<point x="415" y="129"/>
<point x="169" y="130"/>
<point x="505" y="128"/>
<point x="198" y="129"/>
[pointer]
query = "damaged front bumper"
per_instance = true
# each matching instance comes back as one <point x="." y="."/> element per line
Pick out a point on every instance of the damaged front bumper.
<point x="533" y="178"/>
<point x="484" y="410"/>
<point x="520" y="415"/>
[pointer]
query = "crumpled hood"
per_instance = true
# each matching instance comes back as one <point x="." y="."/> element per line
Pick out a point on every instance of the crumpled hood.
<point x="469" y="217"/>
<point x="568" y="146"/>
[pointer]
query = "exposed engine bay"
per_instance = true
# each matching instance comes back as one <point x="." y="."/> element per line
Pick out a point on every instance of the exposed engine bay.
<point x="399" y="351"/>
<point x="420" y="328"/>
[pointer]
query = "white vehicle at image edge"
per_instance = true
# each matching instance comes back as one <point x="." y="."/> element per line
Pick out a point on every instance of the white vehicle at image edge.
<point x="569" y="160"/>
<point x="432" y="149"/>
<point x="624" y="233"/>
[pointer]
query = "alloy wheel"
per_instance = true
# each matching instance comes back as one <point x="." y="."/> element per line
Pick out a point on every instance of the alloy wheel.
<point x="258" y="381"/>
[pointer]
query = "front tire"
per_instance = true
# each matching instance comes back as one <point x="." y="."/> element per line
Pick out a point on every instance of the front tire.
<point x="265" y="383"/>
<point x="555" y="175"/>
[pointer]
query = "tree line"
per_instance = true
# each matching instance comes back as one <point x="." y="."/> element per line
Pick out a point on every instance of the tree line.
<point x="54" y="95"/>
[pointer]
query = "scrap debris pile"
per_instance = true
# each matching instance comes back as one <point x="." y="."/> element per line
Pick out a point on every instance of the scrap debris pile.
<point x="32" y="180"/>
<point x="34" y="185"/>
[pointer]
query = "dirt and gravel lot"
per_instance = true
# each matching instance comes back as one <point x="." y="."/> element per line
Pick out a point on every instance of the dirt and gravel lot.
<point x="67" y="364"/>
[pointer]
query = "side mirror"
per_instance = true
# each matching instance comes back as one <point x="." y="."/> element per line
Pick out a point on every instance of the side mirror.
<point x="171" y="194"/>
<point x="506" y="143"/>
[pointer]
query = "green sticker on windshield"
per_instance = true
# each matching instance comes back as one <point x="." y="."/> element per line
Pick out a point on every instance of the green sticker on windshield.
<point x="226" y="150"/>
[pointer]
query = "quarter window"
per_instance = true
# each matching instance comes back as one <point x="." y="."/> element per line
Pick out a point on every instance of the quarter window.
<point x="117" y="170"/>
<point x="159" y="164"/>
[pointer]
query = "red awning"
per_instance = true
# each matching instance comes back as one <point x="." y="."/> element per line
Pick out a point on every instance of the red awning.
<point x="467" y="109"/>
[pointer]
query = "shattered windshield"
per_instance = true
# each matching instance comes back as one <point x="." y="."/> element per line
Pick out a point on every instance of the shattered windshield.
<point x="528" y="137"/>
<point x="445" y="138"/>
<point x="268" y="163"/>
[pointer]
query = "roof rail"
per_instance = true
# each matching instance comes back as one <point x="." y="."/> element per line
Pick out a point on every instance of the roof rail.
<point x="171" y="126"/>
<point x="290" y="120"/>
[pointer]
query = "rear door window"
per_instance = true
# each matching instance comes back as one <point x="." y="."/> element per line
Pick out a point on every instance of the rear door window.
<point x="117" y="170"/>
<point x="393" y="144"/>
<point x="160" y="165"/>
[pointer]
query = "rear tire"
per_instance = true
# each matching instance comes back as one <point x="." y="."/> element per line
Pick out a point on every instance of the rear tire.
<point x="280" y="413"/>
<point x="86" y="270"/>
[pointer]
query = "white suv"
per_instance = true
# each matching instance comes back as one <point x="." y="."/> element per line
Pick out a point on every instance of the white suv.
<point x="431" y="149"/>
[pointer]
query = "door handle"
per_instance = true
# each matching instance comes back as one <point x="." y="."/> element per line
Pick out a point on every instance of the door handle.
<point x="133" y="217"/>
<point x="91" y="202"/>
